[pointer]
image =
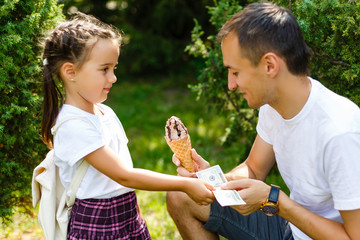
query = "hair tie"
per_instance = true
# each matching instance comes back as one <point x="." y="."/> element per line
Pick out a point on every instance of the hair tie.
<point x="45" y="62"/>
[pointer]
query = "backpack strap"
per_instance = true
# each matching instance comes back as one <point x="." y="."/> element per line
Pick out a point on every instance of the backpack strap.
<point x="58" y="124"/>
<point x="75" y="182"/>
<point x="80" y="172"/>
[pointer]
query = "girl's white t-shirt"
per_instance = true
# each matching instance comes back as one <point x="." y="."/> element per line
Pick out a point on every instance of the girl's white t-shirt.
<point x="82" y="135"/>
<point x="317" y="152"/>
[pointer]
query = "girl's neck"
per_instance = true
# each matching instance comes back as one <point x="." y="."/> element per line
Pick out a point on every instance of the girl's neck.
<point x="90" y="108"/>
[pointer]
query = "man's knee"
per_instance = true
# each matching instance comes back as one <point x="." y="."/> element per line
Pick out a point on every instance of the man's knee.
<point x="175" y="201"/>
<point x="188" y="216"/>
<point x="180" y="205"/>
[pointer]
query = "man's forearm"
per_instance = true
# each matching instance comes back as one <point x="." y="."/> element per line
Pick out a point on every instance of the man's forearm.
<point x="311" y="224"/>
<point x="240" y="172"/>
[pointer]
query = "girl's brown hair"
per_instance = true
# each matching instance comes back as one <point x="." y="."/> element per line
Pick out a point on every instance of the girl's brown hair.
<point x="71" y="41"/>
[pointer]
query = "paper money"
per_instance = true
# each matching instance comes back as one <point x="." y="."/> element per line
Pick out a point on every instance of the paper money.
<point x="228" y="197"/>
<point x="215" y="176"/>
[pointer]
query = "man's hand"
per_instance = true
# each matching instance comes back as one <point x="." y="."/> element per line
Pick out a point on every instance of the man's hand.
<point x="253" y="192"/>
<point x="199" y="162"/>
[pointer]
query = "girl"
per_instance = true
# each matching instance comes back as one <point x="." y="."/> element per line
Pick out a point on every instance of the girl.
<point x="82" y="53"/>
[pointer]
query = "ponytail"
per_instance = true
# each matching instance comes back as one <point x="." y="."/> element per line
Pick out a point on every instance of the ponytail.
<point x="52" y="95"/>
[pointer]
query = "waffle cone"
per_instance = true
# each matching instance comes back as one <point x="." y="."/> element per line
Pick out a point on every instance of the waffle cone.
<point x="182" y="150"/>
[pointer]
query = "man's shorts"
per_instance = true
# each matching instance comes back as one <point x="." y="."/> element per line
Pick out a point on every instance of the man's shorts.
<point x="229" y="223"/>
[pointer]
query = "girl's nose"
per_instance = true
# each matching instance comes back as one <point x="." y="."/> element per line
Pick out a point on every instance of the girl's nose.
<point x="113" y="79"/>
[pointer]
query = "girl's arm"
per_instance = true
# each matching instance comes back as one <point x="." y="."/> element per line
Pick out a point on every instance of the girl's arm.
<point x="107" y="162"/>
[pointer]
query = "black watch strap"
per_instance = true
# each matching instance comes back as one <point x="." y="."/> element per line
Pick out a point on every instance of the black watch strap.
<point x="274" y="194"/>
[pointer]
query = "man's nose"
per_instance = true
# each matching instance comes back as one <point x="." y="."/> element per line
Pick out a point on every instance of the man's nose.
<point x="231" y="83"/>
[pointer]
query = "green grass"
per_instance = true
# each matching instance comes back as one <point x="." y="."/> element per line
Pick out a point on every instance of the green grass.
<point x="143" y="106"/>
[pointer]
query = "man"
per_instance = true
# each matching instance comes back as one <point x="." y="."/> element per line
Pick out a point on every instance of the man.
<point x="310" y="132"/>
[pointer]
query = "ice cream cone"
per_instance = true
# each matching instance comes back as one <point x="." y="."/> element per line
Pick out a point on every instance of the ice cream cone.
<point x="182" y="150"/>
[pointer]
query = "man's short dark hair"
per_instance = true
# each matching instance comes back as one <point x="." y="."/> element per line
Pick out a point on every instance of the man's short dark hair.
<point x="265" y="27"/>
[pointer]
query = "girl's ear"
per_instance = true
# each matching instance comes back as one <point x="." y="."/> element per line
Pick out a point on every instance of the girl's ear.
<point x="271" y="62"/>
<point x="68" y="71"/>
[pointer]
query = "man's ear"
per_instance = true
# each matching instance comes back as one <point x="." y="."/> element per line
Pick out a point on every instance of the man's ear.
<point x="68" y="71"/>
<point x="271" y="63"/>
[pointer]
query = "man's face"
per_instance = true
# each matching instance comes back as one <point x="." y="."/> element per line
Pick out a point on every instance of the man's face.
<point x="250" y="80"/>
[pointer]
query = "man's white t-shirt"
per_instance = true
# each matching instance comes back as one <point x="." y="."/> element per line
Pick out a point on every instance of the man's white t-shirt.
<point x="317" y="152"/>
<point x="78" y="137"/>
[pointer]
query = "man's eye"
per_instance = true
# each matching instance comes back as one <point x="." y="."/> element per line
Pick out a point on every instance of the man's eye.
<point x="235" y="74"/>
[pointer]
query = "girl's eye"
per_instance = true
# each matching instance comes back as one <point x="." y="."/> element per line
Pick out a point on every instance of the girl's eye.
<point x="105" y="69"/>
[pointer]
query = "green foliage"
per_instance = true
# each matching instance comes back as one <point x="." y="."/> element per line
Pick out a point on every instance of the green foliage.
<point x="156" y="31"/>
<point x="332" y="30"/>
<point x="212" y="79"/>
<point x="21" y="26"/>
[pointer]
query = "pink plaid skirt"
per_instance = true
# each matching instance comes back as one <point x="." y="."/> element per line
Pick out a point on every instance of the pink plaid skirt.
<point x="107" y="219"/>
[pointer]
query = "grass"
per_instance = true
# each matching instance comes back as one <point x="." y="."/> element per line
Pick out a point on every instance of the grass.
<point x="143" y="106"/>
<point x="23" y="227"/>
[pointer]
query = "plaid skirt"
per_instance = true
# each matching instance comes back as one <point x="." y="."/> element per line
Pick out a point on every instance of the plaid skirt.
<point x="107" y="219"/>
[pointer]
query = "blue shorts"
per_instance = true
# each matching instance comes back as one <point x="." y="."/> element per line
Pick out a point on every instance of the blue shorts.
<point x="229" y="223"/>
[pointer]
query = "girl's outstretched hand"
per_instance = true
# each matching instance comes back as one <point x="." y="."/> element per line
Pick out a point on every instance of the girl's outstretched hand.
<point x="199" y="162"/>
<point x="199" y="191"/>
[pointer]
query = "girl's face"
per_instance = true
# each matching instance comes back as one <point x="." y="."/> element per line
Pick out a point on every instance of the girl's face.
<point x="94" y="79"/>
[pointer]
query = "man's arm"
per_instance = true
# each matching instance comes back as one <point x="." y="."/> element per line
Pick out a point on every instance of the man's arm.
<point x="258" y="164"/>
<point x="255" y="192"/>
<point x="318" y="227"/>
<point x="250" y="175"/>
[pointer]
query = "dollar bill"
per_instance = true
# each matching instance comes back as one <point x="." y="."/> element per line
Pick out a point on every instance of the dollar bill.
<point x="228" y="197"/>
<point x="215" y="176"/>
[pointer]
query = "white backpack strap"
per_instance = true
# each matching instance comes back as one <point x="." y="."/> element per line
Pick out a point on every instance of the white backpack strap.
<point x="80" y="172"/>
<point x="75" y="182"/>
<point x="58" y="124"/>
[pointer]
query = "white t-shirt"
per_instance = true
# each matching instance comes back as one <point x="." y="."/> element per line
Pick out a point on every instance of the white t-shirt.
<point x="78" y="137"/>
<point x="317" y="152"/>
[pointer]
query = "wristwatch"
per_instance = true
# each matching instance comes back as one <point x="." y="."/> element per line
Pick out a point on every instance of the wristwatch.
<point x="270" y="207"/>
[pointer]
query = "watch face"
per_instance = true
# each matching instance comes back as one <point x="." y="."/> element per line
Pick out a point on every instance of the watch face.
<point x="269" y="210"/>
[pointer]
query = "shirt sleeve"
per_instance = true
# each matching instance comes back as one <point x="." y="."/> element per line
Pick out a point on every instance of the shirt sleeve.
<point x="77" y="138"/>
<point x="342" y="165"/>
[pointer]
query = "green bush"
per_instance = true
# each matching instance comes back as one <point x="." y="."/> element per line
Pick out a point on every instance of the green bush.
<point x="155" y="32"/>
<point x="213" y="80"/>
<point x="331" y="28"/>
<point x="21" y="26"/>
